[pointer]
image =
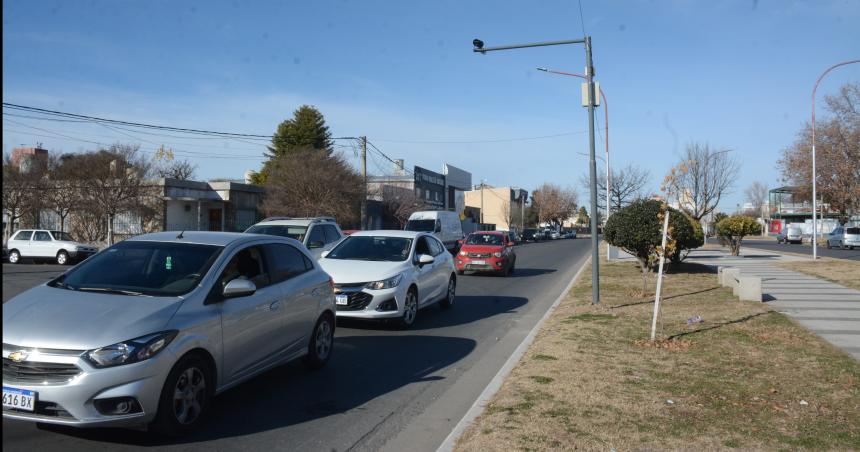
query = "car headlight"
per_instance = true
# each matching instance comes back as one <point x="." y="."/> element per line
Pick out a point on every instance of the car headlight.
<point x="385" y="283"/>
<point x="462" y="253"/>
<point x="497" y="254"/>
<point x="130" y="351"/>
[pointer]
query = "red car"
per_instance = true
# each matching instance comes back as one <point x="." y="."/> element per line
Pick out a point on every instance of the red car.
<point x="491" y="251"/>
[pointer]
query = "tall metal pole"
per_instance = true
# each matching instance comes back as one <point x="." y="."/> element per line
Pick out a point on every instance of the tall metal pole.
<point x="592" y="170"/>
<point x="814" y="199"/>
<point x="364" y="178"/>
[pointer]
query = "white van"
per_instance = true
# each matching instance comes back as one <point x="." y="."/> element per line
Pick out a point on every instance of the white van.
<point x="444" y="224"/>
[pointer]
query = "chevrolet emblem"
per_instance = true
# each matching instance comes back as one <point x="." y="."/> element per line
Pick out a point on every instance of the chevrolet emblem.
<point x="18" y="356"/>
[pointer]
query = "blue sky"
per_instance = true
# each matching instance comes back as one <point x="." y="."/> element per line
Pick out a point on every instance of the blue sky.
<point x="736" y="74"/>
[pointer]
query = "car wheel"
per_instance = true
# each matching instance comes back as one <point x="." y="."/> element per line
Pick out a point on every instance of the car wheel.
<point x="62" y="258"/>
<point x="321" y="343"/>
<point x="14" y="257"/>
<point x="460" y="272"/>
<point x="410" y="309"/>
<point x="828" y="245"/>
<point x="185" y="397"/>
<point x="448" y="301"/>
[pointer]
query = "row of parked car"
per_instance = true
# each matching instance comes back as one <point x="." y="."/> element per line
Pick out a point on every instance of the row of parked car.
<point x="150" y="329"/>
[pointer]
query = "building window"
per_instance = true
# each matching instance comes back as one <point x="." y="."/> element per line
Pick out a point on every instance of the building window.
<point x="428" y="194"/>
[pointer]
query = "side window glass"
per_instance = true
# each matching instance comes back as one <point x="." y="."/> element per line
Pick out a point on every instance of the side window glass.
<point x="286" y="261"/>
<point x="317" y="235"/>
<point x="23" y="235"/>
<point x="436" y="247"/>
<point x="331" y="234"/>
<point x="246" y="264"/>
<point x="42" y="236"/>
<point x="422" y="247"/>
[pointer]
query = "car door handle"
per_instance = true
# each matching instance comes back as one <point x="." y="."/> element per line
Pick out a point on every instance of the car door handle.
<point x="275" y="305"/>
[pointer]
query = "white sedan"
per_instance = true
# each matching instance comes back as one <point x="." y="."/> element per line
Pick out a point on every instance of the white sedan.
<point x="390" y="275"/>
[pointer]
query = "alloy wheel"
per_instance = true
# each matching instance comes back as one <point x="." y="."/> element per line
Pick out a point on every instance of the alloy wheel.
<point x="323" y="340"/>
<point x="189" y="395"/>
<point x="410" y="308"/>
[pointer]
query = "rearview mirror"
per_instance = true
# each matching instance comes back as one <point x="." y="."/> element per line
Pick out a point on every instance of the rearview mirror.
<point x="316" y="244"/>
<point x="425" y="259"/>
<point x="239" y="287"/>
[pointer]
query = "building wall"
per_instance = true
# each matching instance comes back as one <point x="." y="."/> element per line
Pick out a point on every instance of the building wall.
<point x="495" y="205"/>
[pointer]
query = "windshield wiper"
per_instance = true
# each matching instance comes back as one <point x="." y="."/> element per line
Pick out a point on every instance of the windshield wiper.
<point x="114" y="291"/>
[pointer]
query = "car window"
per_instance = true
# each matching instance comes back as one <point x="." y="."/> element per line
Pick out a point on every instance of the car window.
<point x="436" y="247"/>
<point x="23" y="235"/>
<point x="59" y="235"/>
<point x="293" y="232"/>
<point x="852" y="231"/>
<point x="317" y="235"/>
<point x="420" y="225"/>
<point x="286" y="261"/>
<point x="42" y="236"/>
<point x="150" y="268"/>
<point x="247" y="264"/>
<point x="331" y="234"/>
<point x="422" y="247"/>
<point x="372" y="248"/>
<point x="484" y="239"/>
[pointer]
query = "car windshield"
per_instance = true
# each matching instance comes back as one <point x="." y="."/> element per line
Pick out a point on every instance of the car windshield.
<point x="293" y="232"/>
<point x="64" y="236"/>
<point x="852" y="231"/>
<point x="372" y="248"/>
<point x="142" y="268"/>
<point x="484" y="239"/>
<point x="421" y="225"/>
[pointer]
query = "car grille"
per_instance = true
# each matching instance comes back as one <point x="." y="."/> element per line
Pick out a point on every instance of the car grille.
<point x="357" y="301"/>
<point x="47" y="409"/>
<point x="37" y="372"/>
<point x="480" y="255"/>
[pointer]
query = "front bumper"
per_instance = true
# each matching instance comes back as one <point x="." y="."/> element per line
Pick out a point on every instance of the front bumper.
<point x="81" y="255"/>
<point x="72" y="402"/>
<point x="372" y="304"/>
<point x="490" y="264"/>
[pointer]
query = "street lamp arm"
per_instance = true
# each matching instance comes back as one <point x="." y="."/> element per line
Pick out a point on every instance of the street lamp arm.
<point x="523" y="46"/>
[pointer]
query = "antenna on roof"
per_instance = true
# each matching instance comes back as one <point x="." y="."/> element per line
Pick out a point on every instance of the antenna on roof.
<point x="180" y="235"/>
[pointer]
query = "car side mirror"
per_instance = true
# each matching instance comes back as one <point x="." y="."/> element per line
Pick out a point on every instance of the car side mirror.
<point x="316" y="244"/>
<point x="438" y="228"/>
<point x="425" y="259"/>
<point x="239" y="287"/>
<point x="325" y="253"/>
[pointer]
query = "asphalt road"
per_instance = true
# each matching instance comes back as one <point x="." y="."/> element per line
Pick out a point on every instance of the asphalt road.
<point x="383" y="389"/>
<point x="771" y="245"/>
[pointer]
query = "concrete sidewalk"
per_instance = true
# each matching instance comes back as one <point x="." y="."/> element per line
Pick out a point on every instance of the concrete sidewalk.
<point x="828" y="309"/>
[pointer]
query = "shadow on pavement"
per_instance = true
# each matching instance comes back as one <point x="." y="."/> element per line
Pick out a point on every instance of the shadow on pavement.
<point x="467" y="309"/>
<point x="362" y="368"/>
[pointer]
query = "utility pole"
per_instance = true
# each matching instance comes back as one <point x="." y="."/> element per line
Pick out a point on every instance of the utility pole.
<point x="592" y="169"/>
<point x="482" y="203"/>
<point x="364" y="177"/>
<point x="522" y="213"/>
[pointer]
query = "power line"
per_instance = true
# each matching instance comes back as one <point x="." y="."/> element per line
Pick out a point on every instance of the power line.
<point x="581" y="19"/>
<point x="498" y="140"/>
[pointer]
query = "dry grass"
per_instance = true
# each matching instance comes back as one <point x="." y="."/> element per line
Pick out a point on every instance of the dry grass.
<point x="840" y="271"/>
<point x="746" y="378"/>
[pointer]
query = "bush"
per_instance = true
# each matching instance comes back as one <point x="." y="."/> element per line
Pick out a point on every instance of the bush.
<point x="686" y="243"/>
<point x="734" y="228"/>
<point x="638" y="230"/>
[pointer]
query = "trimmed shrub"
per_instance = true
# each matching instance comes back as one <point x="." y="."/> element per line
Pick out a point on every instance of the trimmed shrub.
<point x="734" y="228"/>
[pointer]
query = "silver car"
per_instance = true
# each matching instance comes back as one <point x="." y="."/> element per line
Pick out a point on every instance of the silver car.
<point x="150" y="329"/>
<point x="844" y="237"/>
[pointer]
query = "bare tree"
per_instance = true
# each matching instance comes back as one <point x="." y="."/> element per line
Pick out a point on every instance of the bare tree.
<point x="705" y="175"/>
<point x="312" y="182"/>
<point x="400" y="203"/>
<point x="837" y="154"/>
<point x="16" y="193"/>
<point x="625" y="186"/>
<point x="174" y="169"/>
<point x="554" y="204"/>
<point x="756" y="195"/>
<point x="63" y="192"/>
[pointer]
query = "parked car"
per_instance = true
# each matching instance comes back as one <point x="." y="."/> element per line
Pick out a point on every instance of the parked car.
<point x="390" y="275"/>
<point x="318" y="234"/>
<point x="42" y="244"/>
<point x="487" y="252"/>
<point x="529" y="235"/>
<point x="568" y="233"/>
<point x="551" y="234"/>
<point x="150" y="329"/>
<point x="844" y="237"/>
<point x="513" y="238"/>
<point x="443" y="224"/>
<point x="791" y="234"/>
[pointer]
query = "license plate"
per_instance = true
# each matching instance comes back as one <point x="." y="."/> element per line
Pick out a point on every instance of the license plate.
<point x="341" y="300"/>
<point x="479" y="262"/>
<point x="21" y="399"/>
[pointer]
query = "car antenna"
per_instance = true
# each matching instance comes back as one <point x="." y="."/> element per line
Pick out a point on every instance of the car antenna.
<point x="180" y="235"/>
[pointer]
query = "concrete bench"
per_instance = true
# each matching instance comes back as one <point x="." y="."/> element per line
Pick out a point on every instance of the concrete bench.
<point x="749" y="288"/>
<point x="729" y="277"/>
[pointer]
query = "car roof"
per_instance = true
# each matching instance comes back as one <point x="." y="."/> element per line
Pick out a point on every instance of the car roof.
<point x="389" y="233"/>
<point x="490" y="232"/>
<point x="287" y="221"/>
<point x="198" y="237"/>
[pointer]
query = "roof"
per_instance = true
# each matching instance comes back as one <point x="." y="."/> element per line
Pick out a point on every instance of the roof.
<point x="199" y="237"/>
<point x="296" y="221"/>
<point x="389" y="233"/>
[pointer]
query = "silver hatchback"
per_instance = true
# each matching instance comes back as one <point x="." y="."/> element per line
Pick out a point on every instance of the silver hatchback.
<point x="844" y="237"/>
<point x="150" y="329"/>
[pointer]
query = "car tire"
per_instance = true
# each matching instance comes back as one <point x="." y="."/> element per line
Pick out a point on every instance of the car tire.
<point x="14" y="257"/>
<point x="321" y="344"/>
<point x="460" y="272"/>
<point x="828" y="245"/>
<point x="192" y="377"/>
<point x="448" y="301"/>
<point x="62" y="258"/>
<point x="410" y="310"/>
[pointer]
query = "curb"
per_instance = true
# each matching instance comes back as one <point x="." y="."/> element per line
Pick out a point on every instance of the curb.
<point x="496" y="383"/>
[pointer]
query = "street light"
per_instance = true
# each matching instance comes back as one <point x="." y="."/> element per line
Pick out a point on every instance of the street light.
<point x="592" y="167"/>
<point x="814" y="201"/>
<point x="606" y="121"/>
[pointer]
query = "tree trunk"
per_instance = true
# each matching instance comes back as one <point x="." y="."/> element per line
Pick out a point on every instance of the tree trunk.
<point x="644" y="265"/>
<point x="110" y="229"/>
